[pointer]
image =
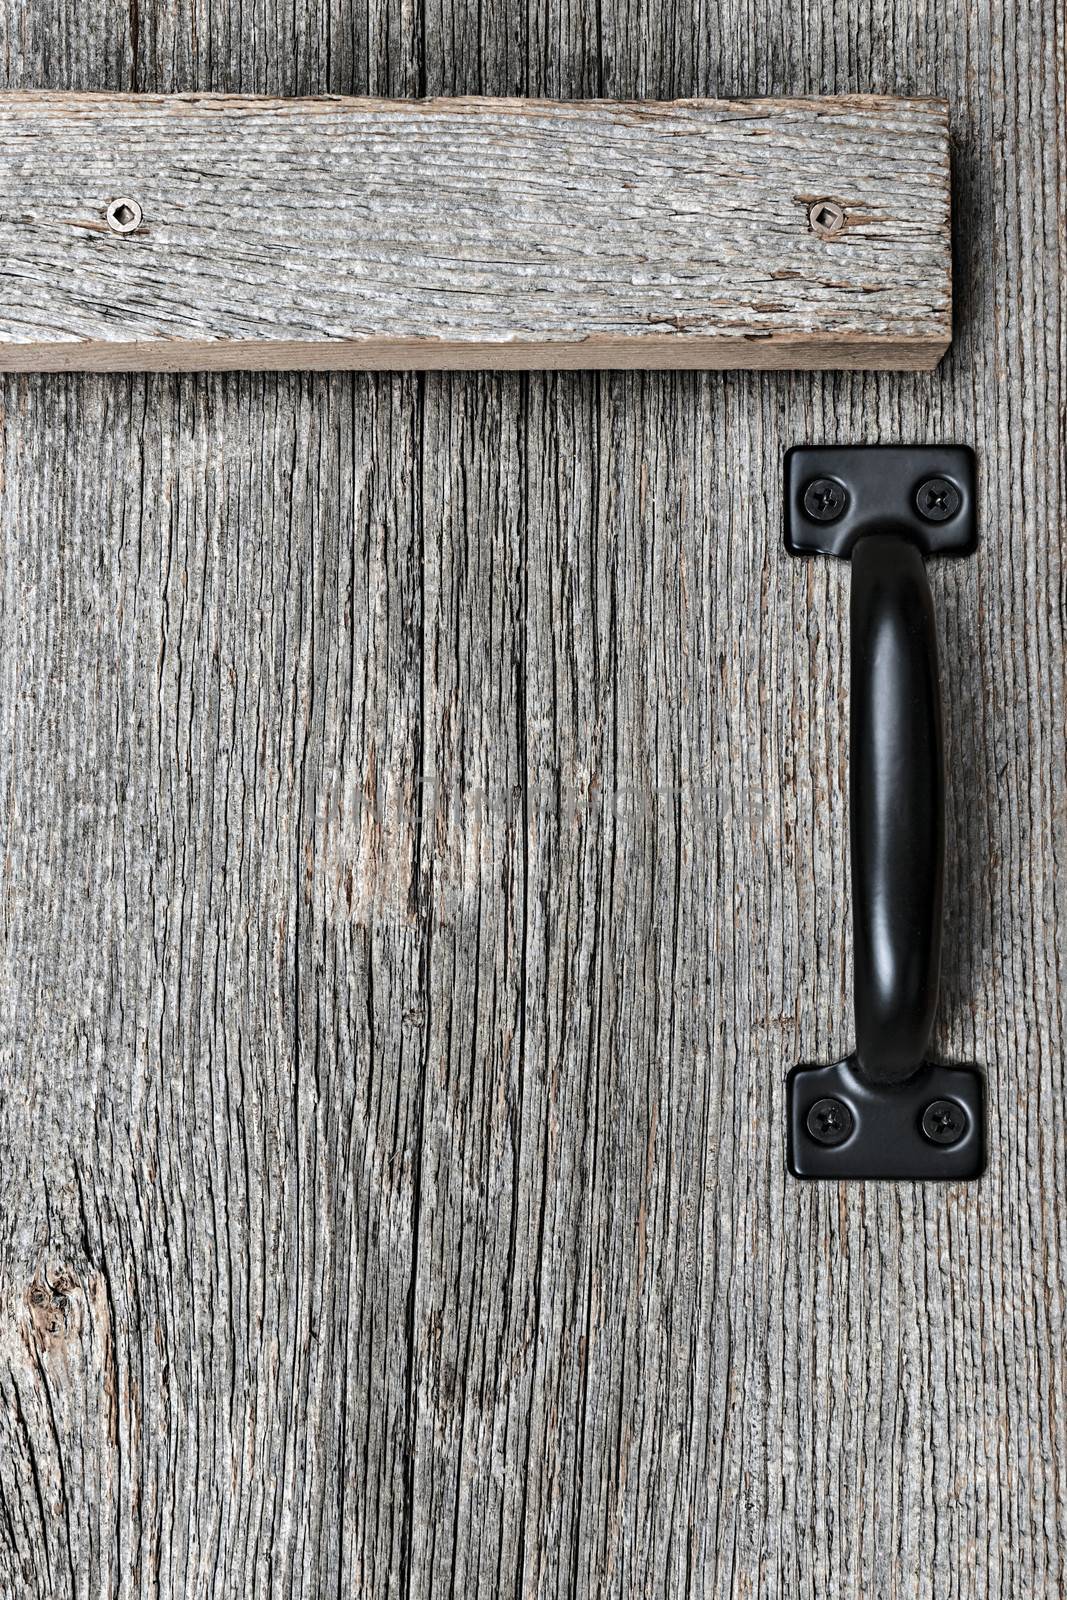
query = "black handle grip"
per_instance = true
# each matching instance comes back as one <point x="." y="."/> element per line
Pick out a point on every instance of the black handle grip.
<point x="897" y="808"/>
<point x="886" y="1110"/>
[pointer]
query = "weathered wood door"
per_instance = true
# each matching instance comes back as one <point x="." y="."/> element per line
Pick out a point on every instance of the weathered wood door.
<point x="423" y="858"/>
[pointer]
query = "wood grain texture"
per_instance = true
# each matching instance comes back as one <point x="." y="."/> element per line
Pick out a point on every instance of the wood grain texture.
<point x="469" y="233"/>
<point x="394" y="1193"/>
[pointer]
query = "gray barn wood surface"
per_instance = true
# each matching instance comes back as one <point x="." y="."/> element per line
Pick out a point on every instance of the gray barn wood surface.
<point x="394" y="1198"/>
<point x="470" y="233"/>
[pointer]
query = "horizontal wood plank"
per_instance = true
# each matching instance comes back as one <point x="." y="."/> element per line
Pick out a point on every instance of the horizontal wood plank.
<point x="472" y="233"/>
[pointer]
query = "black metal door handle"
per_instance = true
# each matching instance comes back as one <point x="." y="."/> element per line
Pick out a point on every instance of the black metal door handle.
<point x="886" y="1111"/>
<point x="896" y="801"/>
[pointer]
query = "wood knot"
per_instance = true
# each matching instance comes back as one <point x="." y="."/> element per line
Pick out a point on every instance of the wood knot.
<point x="54" y="1313"/>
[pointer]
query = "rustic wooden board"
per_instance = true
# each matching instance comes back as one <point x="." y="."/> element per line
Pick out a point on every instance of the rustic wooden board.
<point x="394" y="1199"/>
<point x="472" y="233"/>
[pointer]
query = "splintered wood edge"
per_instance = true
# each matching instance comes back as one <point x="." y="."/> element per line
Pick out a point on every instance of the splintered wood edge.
<point x="649" y="352"/>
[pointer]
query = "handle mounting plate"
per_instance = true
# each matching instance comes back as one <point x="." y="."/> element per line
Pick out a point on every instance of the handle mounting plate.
<point x="883" y="1124"/>
<point x="881" y="486"/>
